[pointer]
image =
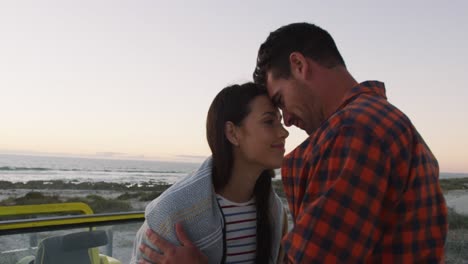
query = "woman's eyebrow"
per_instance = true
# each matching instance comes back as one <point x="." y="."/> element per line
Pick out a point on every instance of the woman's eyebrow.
<point x="272" y="114"/>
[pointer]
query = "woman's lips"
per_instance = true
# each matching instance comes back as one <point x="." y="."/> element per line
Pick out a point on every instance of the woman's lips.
<point x="278" y="146"/>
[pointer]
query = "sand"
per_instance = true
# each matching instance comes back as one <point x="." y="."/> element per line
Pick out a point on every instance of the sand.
<point x="458" y="200"/>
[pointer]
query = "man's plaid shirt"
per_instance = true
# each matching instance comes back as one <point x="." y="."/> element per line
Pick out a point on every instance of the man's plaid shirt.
<point x="364" y="188"/>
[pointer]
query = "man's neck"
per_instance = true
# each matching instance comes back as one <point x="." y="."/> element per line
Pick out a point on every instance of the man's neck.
<point x="339" y="83"/>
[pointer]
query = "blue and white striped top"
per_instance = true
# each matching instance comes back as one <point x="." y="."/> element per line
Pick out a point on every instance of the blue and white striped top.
<point x="192" y="201"/>
<point x="241" y="230"/>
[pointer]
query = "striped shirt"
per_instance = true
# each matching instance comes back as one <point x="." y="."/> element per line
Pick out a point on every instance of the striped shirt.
<point x="241" y="224"/>
<point x="364" y="188"/>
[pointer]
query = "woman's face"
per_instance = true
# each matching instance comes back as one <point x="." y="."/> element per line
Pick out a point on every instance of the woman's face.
<point x="261" y="136"/>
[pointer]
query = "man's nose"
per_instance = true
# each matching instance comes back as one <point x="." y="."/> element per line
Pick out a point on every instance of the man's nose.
<point x="287" y="118"/>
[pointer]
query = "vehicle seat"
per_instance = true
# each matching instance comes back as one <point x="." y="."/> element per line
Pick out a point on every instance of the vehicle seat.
<point x="75" y="248"/>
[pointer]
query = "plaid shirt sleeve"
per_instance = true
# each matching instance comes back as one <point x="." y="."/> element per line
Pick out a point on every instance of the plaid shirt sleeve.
<point x="337" y="218"/>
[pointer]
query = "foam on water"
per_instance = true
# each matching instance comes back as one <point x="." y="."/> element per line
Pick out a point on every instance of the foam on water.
<point x="15" y="168"/>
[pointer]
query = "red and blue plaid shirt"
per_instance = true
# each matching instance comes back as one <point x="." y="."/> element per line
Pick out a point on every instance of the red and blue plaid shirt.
<point x="364" y="188"/>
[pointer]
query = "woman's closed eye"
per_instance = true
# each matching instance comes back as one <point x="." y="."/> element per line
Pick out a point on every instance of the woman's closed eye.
<point x="269" y="122"/>
<point x="273" y="122"/>
<point x="271" y="118"/>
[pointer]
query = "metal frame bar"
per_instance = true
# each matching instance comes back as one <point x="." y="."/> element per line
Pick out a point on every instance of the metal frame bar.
<point x="20" y="226"/>
<point x="45" y="209"/>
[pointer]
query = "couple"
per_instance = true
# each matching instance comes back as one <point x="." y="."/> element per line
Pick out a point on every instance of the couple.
<point x="363" y="187"/>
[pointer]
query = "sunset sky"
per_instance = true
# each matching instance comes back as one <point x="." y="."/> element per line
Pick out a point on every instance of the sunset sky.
<point x="134" y="79"/>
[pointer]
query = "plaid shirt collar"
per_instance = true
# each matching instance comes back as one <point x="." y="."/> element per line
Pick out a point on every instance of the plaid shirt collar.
<point x="375" y="87"/>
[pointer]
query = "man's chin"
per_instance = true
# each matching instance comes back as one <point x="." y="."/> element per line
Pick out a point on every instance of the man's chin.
<point x="302" y="126"/>
<point x="309" y="130"/>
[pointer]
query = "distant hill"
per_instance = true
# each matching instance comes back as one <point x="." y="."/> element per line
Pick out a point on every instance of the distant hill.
<point x="449" y="175"/>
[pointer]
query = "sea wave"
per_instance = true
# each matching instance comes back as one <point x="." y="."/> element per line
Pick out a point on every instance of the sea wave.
<point x="13" y="169"/>
<point x="7" y="168"/>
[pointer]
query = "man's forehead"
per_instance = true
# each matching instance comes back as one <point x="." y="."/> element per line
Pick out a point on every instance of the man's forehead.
<point x="271" y="84"/>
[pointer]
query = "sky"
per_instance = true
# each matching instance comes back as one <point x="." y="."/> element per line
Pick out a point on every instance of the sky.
<point x="134" y="79"/>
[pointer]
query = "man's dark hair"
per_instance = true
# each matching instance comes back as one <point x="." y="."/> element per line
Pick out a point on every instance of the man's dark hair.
<point x="308" y="39"/>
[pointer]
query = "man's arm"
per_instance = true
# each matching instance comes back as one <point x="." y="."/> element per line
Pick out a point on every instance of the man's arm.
<point x="341" y="224"/>
<point x="186" y="253"/>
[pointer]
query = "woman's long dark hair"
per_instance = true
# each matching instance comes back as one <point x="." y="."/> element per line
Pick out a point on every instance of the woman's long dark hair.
<point x="233" y="104"/>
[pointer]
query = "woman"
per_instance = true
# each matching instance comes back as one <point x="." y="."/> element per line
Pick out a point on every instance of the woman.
<point x="228" y="207"/>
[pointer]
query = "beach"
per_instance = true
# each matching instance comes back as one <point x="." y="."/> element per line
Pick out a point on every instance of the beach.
<point x="458" y="200"/>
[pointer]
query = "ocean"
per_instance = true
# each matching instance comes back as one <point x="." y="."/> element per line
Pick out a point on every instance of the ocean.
<point x="22" y="168"/>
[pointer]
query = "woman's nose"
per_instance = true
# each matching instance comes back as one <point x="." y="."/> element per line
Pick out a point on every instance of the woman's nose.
<point x="283" y="133"/>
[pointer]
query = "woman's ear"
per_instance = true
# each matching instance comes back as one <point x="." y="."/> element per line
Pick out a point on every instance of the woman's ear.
<point x="230" y="132"/>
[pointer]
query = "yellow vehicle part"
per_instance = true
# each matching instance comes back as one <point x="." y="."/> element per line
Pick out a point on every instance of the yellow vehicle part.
<point x="45" y="209"/>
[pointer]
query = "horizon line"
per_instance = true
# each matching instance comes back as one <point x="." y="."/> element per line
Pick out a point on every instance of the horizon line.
<point x="180" y="158"/>
<point x="109" y="156"/>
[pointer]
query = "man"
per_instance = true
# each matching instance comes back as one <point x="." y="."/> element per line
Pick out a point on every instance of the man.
<point x="363" y="188"/>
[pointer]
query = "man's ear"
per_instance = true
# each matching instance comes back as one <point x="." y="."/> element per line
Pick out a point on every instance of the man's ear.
<point x="299" y="65"/>
<point x="230" y="132"/>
